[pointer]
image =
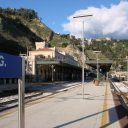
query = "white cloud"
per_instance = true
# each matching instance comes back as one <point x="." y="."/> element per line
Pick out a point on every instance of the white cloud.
<point x="105" y="22"/>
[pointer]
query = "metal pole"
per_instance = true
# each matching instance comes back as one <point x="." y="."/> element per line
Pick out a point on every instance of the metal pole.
<point x="83" y="60"/>
<point x="62" y="70"/>
<point x="83" y="46"/>
<point x="97" y="63"/>
<point x="27" y="61"/>
<point x="107" y="76"/>
<point x="21" y="88"/>
<point x="97" y="68"/>
<point x="127" y="68"/>
<point x="52" y="72"/>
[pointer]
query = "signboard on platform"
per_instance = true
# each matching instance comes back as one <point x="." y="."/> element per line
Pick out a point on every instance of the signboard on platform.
<point x="10" y="66"/>
<point x="14" y="67"/>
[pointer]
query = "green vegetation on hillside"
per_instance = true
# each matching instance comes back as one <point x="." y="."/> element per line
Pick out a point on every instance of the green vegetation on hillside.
<point x="114" y="50"/>
<point x="21" y="28"/>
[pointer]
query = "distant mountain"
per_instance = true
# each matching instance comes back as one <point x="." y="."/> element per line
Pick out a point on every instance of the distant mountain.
<point x="21" y="28"/>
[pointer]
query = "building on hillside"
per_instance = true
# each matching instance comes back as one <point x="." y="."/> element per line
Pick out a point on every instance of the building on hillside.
<point x="43" y="58"/>
<point x="104" y="39"/>
<point x="46" y="64"/>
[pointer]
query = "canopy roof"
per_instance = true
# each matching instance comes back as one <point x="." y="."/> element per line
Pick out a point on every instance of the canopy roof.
<point x="103" y="64"/>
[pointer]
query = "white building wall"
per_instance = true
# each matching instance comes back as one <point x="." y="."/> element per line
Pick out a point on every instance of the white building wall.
<point x="44" y="53"/>
<point x="53" y="53"/>
<point x="40" y="45"/>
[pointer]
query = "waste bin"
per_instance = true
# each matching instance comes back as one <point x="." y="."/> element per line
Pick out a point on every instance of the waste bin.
<point x="97" y="82"/>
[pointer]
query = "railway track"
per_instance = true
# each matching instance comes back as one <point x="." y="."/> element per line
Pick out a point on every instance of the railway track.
<point x="12" y="101"/>
<point x="121" y="89"/>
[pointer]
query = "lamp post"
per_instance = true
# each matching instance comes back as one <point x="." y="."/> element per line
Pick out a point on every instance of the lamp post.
<point x="83" y="46"/>
<point x="52" y="66"/>
<point x="127" y="66"/>
<point x="97" y="63"/>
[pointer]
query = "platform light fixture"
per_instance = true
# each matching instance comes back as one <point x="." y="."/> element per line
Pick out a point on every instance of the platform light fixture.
<point x="97" y="62"/>
<point x="83" y="46"/>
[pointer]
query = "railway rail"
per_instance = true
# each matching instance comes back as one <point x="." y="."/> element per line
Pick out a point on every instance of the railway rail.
<point x="36" y="92"/>
<point x="121" y="89"/>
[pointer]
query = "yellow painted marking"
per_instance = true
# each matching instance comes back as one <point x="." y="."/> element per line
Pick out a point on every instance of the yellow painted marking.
<point x="105" y="112"/>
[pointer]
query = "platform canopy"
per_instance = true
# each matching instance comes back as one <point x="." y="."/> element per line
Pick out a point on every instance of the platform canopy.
<point x="103" y="64"/>
<point x="57" y="62"/>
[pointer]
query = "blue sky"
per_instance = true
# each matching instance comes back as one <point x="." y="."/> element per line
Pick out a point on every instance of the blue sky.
<point x="56" y="13"/>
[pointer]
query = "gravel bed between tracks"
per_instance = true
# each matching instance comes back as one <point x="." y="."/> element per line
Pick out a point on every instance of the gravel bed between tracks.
<point x="12" y="101"/>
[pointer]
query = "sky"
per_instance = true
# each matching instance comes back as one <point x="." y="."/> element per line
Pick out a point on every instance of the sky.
<point x="110" y="17"/>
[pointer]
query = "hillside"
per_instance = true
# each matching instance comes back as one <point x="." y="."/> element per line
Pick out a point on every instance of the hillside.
<point x="21" y="28"/>
<point x="116" y="50"/>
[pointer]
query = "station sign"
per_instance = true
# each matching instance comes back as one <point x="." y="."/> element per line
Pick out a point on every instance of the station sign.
<point x="10" y="66"/>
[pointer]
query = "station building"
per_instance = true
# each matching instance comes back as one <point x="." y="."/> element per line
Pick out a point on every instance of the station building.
<point x="50" y="64"/>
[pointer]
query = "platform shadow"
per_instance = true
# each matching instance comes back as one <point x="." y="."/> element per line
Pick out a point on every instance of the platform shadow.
<point x="112" y="119"/>
<point x="87" y="96"/>
<point x="122" y="113"/>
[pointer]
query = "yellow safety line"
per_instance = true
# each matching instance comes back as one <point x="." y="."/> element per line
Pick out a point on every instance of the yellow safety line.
<point x="105" y="112"/>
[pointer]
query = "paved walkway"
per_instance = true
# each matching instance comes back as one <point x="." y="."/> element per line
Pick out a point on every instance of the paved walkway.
<point x="70" y="110"/>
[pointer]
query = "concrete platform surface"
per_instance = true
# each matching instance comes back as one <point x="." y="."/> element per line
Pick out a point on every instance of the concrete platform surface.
<point x="68" y="109"/>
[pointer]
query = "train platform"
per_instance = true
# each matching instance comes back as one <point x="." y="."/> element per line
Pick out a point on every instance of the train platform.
<point x="98" y="108"/>
<point x="103" y="107"/>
